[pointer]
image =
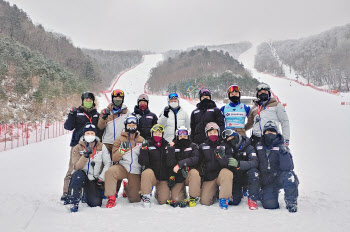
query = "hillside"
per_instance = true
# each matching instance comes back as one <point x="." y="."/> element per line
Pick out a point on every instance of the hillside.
<point x="113" y="62"/>
<point x="29" y="82"/>
<point x="214" y="70"/>
<point x="322" y="59"/>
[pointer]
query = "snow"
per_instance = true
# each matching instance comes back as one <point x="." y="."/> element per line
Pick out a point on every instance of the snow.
<point x="33" y="175"/>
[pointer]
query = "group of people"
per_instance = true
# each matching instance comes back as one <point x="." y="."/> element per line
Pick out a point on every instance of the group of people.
<point x="207" y="151"/>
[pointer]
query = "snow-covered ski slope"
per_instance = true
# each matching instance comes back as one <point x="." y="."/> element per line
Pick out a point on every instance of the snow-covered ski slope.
<point x="32" y="176"/>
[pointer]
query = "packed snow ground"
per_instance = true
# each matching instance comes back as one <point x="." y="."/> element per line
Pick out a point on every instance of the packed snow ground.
<point x="33" y="175"/>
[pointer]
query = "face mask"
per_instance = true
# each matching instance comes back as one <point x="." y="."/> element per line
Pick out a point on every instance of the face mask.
<point x="213" y="138"/>
<point x="263" y="97"/>
<point x="268" y="139"/>
<point x="143" y="107"/>
<point x="174" y="105"/>
<point x="183" y="142"/>
<point x="131" y="130"/>
<point x="234" y="99"/>
<point x="89" y="138"/>
<point x="157" y="139"/>
<point x="87" y="104"/>
<point x="117" y="102"/>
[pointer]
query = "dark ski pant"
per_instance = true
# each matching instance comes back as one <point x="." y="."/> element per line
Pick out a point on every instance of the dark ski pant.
<point x="92" y="190"/>
<point x="241" y="179"/>
<point x="286" y="180"/>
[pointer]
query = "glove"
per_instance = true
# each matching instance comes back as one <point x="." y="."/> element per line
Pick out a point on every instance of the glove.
<point x="88" y="152"/>
<point x="145" y="144"/>
<point x="123" y="147"/>
<point x="105" y="113"/>
<point x="286" y="142"/>
<point x="171" y="182"/>
<point x="138" y="116"/>
<point x="166" y="111"/>
<point x="99" y="182"/>
<point x="184" y="171"/>
<point x="73" y="111"/>
<point x="233" y="162"/>
<point x="220" y="152"/>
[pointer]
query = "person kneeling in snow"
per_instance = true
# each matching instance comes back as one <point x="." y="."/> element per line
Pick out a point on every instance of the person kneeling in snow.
<point x="276" y="169"/>
<point x="215" y="157"/>
<point x="153" y="157"/>
<point x="182" y="158"/>
<point x="87" y="159"/>
<point x="244" y="165"/>
<point x="126" y="150"/>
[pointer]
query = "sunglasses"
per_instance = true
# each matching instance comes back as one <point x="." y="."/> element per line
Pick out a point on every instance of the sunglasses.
<point x="118" y="93"/>
<point x="182" y="132"/>
<point x="227" y="133"/>
<point x="173" y="95"/>
<point x="158" y="128"/>
<point x="233" y="88"/>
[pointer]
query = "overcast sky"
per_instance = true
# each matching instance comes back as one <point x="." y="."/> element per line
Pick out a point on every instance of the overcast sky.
<point x="161" y="25"/>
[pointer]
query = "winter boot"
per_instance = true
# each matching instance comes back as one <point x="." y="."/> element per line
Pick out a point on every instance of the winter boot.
<point x="292" y="207"/>
<point x="125" y="183"/>
<point x="192" y="202"/>
<point x="111" y="201"/>
<point x="75" y="207"/>
<point x="172" y="203"/>
<point x="252" y="204"/>
<point x="64" y="197"/>
<point x="69" y="200"/>
<point x="223" y="203"/>
<point x="146" y="199"/>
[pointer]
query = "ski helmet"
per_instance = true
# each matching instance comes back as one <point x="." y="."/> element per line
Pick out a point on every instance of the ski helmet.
<point x="211" y="126"/>
<point x="87" y="95"/>
<point x="270" y="126"/>
<point x="143" y="97"/>
<point x="129" y="120"/>
<point x="173" y="96"/>
<point x="234" y="88"/>
<point x="157" y="127"/>
<point x="204" y="92"/>
<point x="263" y="86"/>
<point x="183" y="131"/>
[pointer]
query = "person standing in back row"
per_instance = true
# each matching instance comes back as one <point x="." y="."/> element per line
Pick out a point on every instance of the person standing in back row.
<point x="112" y="119"/>
<point x="206" y="112"/>
<point x="145" y="117"/>
<point x="77" y="118"/>
<point x="267" y="109"/>
<point x="173" y="117"/>
<point x="235" y="112"/>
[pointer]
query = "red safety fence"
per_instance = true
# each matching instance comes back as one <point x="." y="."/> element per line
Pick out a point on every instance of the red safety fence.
<point x="20" y="134"/>
<point x="309" y="85"/>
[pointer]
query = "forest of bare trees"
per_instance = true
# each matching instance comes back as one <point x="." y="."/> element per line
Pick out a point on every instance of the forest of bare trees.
<point x="322" y="59"/>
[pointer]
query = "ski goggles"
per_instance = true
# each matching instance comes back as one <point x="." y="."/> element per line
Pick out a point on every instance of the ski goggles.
<point x="173" y="96"/>
<point x="182" y="132"/>
<point x="157" y="127"/>
<point x="87" y="126"/>
<point x="233" y="88"/>
<point x="131" y="120"/>
<point x="263" y="87"/>
<point x="118" y="93"/>
<point x="228" y="133"/>
<point x="204" y="92"/>
<point x="143" y="97"/>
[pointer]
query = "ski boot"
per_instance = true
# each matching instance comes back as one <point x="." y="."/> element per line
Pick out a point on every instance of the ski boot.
<point x="183" y="204"/>
<point x="223" y="203"/>
<point x="125" y="183"/>
<point x="111" y="202"/>
<point x="252" y="204"/>
<point x="64" y="197"/>
<point x="172" y="203"/>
